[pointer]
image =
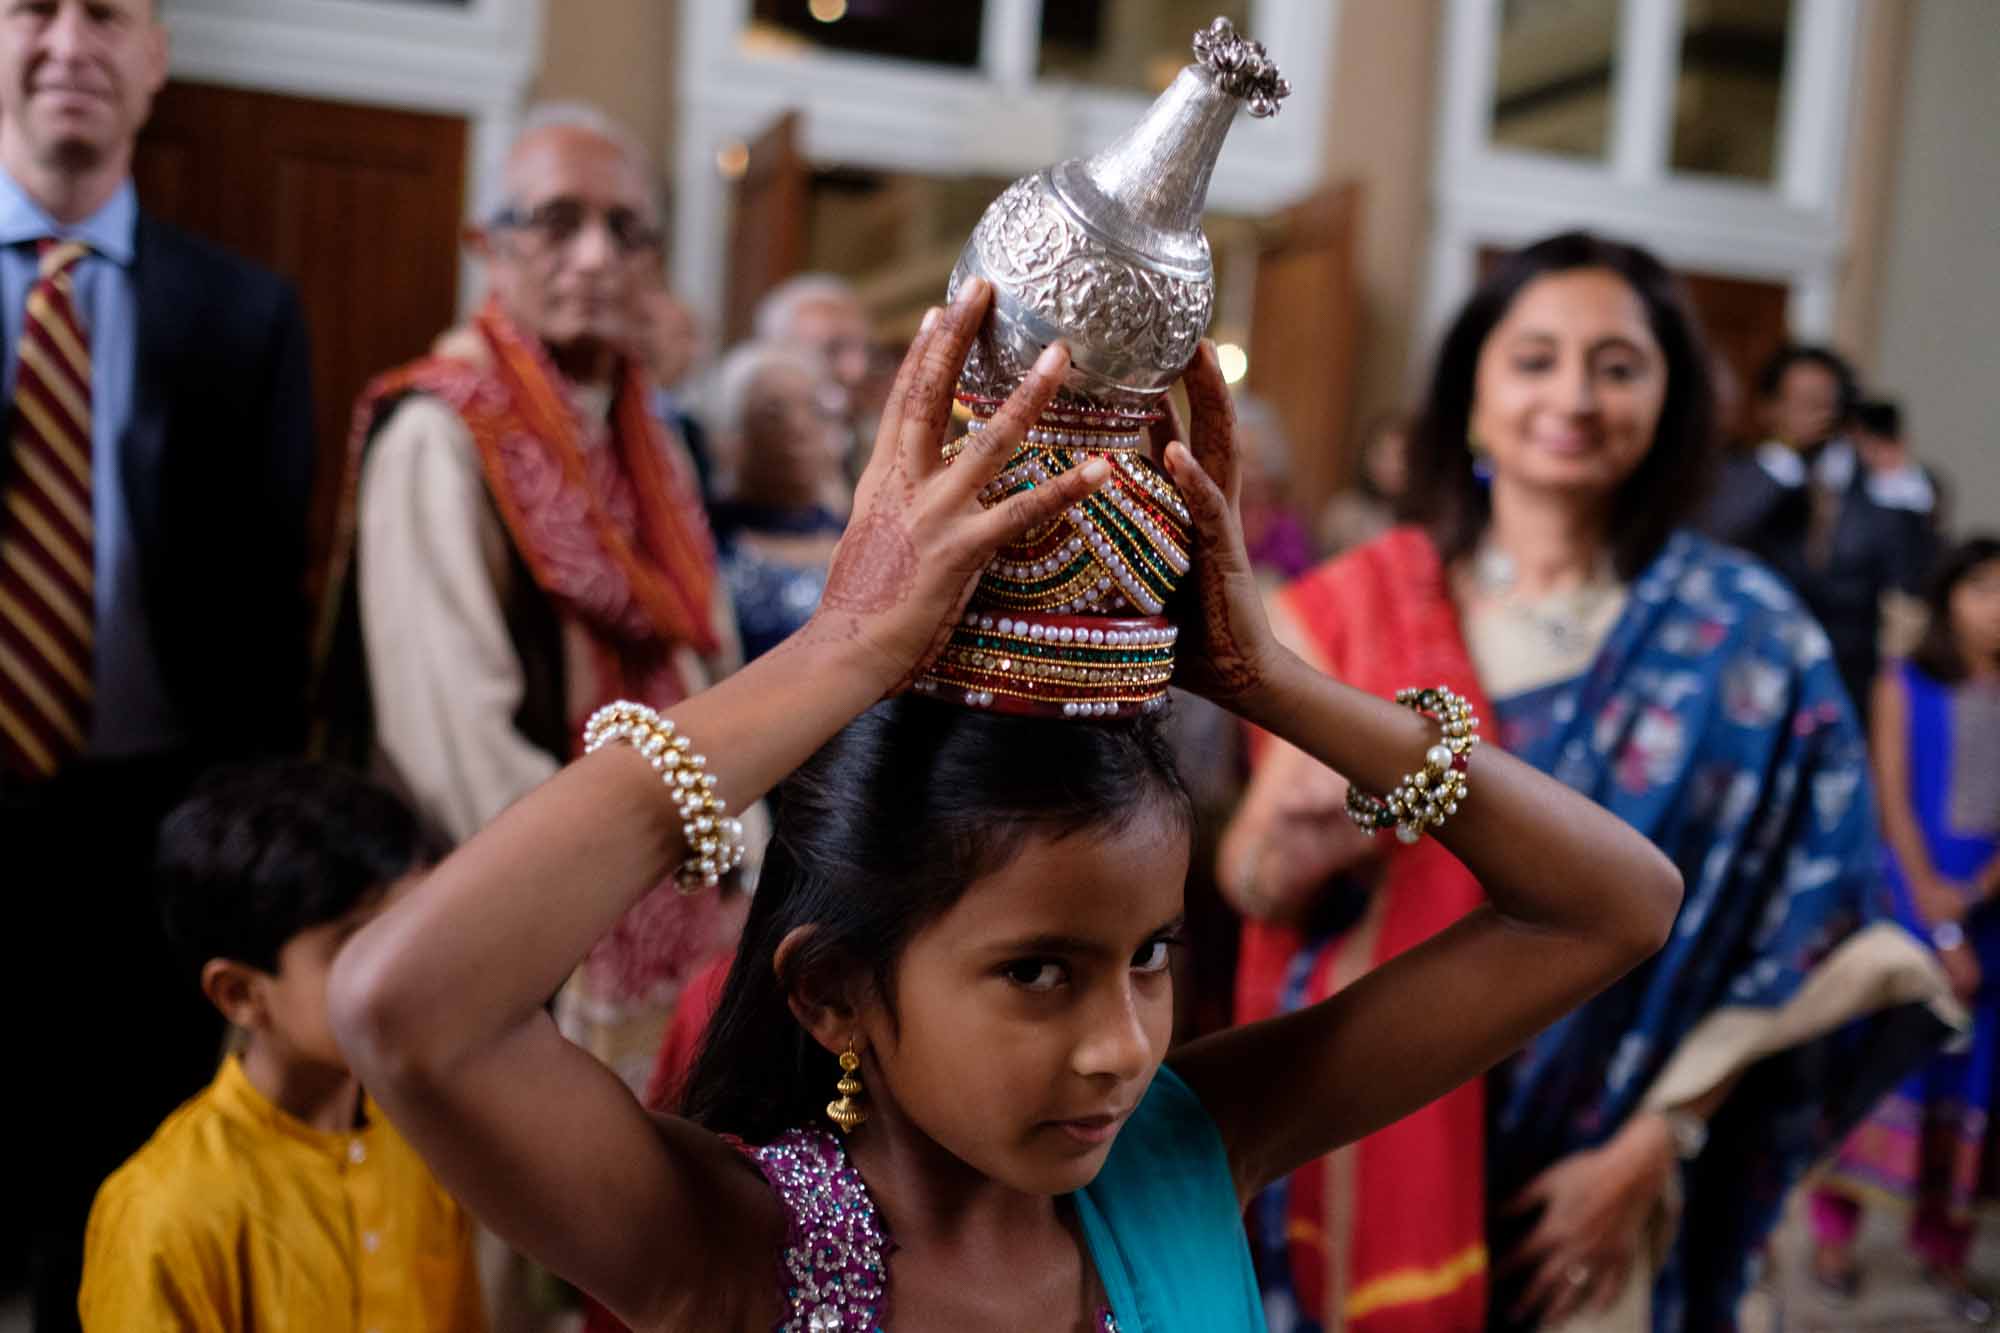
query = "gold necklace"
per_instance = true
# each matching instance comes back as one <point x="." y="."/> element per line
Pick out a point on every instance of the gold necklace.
<point x="1560" y="621"/>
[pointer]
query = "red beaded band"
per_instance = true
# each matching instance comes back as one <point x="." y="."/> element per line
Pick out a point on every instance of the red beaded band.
<point x="1056" y="666"/>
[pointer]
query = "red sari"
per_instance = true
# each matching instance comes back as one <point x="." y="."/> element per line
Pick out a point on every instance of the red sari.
<point x="1388" y="1234"/>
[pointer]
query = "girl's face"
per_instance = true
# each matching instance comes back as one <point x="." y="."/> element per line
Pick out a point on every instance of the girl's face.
<point x="1570" y="385"/>
<point x="1031" y="1016"/>
<point x="1975" y="614"/>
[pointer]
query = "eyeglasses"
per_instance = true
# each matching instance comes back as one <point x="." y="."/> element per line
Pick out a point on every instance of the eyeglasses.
<point x="560" y="221"/>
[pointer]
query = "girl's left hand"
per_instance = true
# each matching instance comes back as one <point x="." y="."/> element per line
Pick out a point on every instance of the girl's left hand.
<point x="1226" y="643"/>
<point x="1594" y="1209"/>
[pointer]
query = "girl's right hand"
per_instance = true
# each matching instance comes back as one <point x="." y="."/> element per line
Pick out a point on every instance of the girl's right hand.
<point x="919" y="537"/>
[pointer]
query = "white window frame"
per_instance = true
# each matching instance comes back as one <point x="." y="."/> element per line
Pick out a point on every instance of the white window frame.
<point x="477" y="61"/>
<point x="1791" y="230"/>
<point x="997" y="119"/>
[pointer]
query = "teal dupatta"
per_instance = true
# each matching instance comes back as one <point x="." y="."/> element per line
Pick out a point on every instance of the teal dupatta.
<point x="1164" y="1226"/>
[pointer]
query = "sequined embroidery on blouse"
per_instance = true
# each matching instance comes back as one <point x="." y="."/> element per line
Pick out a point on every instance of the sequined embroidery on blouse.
<point x="836" y="1249"/>
<point x="836" y="1253"/>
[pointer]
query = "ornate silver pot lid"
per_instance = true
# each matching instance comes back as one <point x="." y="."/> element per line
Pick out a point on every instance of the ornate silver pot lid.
<point x="1107" y="253"/>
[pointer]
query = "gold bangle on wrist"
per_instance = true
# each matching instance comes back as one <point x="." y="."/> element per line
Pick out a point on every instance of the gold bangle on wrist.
<point x="1423" y="800"/>
<point x="714" y="841"/>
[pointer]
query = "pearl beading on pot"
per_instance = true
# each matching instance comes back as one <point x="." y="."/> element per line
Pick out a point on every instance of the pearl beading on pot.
<point x="1122" y="550"/>
<point x="1097" y="441"/>
<point x="1054" y="666"/>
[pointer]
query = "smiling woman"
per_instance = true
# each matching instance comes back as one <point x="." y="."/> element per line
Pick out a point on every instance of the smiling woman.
<point x="1564" y="443"/>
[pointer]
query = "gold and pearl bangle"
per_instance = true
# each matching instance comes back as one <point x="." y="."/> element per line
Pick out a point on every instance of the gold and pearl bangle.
<point x="715" y="841"/>
<point x="1423" y="800"/>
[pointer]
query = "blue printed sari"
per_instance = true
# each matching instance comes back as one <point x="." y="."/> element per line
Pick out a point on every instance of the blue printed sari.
<point x="1714" y="721"/>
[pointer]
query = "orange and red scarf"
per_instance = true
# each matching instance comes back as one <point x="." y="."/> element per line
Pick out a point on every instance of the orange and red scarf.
<point x="1387" y="1235"/>
<point x="638" y="586"/>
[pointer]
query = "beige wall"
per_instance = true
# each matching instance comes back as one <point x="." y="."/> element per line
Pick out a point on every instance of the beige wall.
<point x="619" y="55"/>
<point x="1874" y="146"/>
<point x="1379" y="132"/>
<point x="1937" y="351"/>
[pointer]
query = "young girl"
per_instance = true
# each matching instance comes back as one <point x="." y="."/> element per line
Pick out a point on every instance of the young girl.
<point x="1936" y="743"/>
<point x="977" y="914"/>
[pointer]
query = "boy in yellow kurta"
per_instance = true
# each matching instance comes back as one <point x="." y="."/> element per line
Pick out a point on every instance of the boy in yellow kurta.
<point x="279" y="1197"/>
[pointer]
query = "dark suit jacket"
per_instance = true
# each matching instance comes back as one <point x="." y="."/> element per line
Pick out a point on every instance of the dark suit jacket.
<point x="218" y="464"/>
<point x="1874" y="549"/>
<point x="217" y="467"/>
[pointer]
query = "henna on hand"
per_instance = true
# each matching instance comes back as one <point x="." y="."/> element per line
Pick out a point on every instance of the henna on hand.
<point x="874" y="567"/>
<point x="1231" y="669"/>
<point x="1223" y="667"/>
<point x="1213" y="440"/>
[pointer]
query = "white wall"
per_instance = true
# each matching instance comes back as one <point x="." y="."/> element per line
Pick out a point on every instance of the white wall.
<point x="1939" y="349"/>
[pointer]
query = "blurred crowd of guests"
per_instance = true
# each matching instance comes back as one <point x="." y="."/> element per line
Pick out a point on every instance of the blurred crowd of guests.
<point x="570" y="501"/>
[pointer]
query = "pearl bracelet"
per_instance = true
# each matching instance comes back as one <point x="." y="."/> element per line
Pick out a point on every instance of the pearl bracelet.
<point x="1423" y="800"/>
<point x="715" y="841"/>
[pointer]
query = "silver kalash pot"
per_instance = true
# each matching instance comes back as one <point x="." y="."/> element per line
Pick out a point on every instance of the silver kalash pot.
<point x="1107" y="252"/>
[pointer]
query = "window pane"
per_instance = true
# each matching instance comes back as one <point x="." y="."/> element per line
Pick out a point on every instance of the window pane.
<point x="1552" y="87"/>
<point x="922" y="30"/>
<point x="1732" y="80"/>
<point x="1130" y="44"/>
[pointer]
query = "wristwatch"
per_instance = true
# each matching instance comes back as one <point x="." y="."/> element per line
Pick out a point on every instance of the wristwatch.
<point x="1689" y="1133"/>
<point x="1946" y="936"/>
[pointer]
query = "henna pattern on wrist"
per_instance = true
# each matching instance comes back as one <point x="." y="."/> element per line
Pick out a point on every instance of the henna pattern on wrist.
<point x="1222" y="667"/>
<point x="1232" y="671"/>
<point x="874" y="567"/>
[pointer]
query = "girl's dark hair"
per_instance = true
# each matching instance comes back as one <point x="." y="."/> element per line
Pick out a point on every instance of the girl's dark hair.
<point x="1670" y="483"/>
<point x="1937" y="654"/>
<point x="878" y="835"/>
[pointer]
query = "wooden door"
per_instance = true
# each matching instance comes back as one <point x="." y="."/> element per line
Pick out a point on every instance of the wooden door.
<point x="359" y="206"/>
<point x="1303" y="329"/>
<point x="767" y="234"/>
<point x="1745" y="323"/>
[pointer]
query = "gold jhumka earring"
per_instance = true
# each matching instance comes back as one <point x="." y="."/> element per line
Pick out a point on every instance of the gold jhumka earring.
<point x="846" y="1112"/>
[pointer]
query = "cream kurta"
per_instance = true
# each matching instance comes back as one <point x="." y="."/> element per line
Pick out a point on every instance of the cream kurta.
<point x="434" y="569"/>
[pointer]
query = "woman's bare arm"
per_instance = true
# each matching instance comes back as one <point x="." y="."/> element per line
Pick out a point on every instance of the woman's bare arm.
<point x="1577" y="897"/>
<point x="439" y="1002"/>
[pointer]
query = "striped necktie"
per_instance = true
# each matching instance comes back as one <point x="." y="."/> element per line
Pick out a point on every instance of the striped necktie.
<point x="47" y="576"/>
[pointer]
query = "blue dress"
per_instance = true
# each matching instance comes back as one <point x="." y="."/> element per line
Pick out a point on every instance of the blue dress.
<point x="1926" y="1142"/>
<point x="773" y="598"/>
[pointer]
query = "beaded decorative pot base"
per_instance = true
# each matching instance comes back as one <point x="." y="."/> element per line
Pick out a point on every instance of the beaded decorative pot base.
<point x="1068" y="621"/>
<point x="1066" y="666"/>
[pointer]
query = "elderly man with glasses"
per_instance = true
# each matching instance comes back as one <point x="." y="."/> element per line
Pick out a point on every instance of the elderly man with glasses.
<point x="530" y="544"/>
